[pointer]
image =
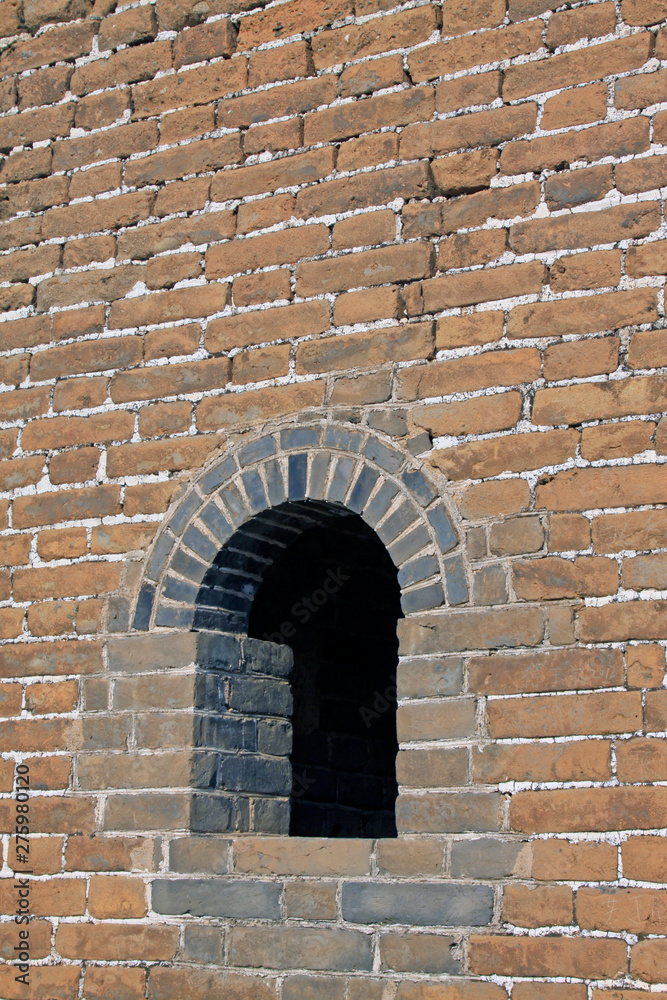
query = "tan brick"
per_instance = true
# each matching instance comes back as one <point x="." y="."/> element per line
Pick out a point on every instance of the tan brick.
<point x="397" y="31"/>
<point x="553" y="577"/>
<point x="614" y="139"/>
<point x="284" y="247"/>
<point x="172" y="342"/>
<point x="268" y="286"/>
<point x="264" y="213"/>
<point x="66" y="505"/>
<point x="153" y="498"/>
<point x="52" y="698"/>
<point x="445" y="58"/>
<point x="182" y="196"/>
<point x="298" y="16"/>
<point x="261" y="364"/>
<point x="537" y="906"/>
<point x="509" y="496"/>
<point x="640" y="911"/>
<point x="614" y="440"/>
<point x="121" y="538"/>
<point x="565" y="715"/>
<point x="175" y="126"/>
<point x="164" y="272"/>
<point x="109" y="854"/>
<point x="364" y="78"/>
<point x="199" y="86"/>
<point x="62" y="432"/>
<point x="116" y="898"/>
<point x="52" y="617"/>
<point x="584" y="229"/>
<point x="172" y="234"/>
<point x="578" y="761"/>
<point x="288" y="99"/>
<point x="287" y="134"/>
<point x="645" y="858"/>
<point x="126" y="66"/>
<point x="310" y="900"/>
<point x="110" y="941"/>
<point x="244" y="329"/>
<point x="548" y="956"/>
<point x="66" y="581"/>
<point x="287" y="62"/>
<point x="367" y="305"/>
<point x="365" y="190"/>
<point x="516" y="453"/>
<point x="467" y="91"/>
<point x="369" y="151"/>
<point x="370" y="229"/>
<point x="127" y="983"/>
<point x="301" y="856"/>
<point x="599" y="400"/>
<point x="172" y="454"/>
<point x="516" y="535"/>
<point x="93" y="249"/>
<point x="575" y="107"/>
<point x="90" y="217"/>
<point x="400" y="108"/>
<point x="77" y="466"/>
<point x="645" y="666"/>
<point x="169" y="306"/>
<point x="100" y="110"/>
<point x="643" y="174"/>
<point x="558" y="670"/>
<point x="467" y="249"/>
<point x="196" y="157"/>
<point x="401" y="343"/>
<point x="257" y="404"/>
<point x="580" y="66"/>
<point x="204" y="42"/>
<point x="643" y="11"/>
<point x="435" y="768"/>
<point x="592" y="22"/>
<point x="472" y="416"/>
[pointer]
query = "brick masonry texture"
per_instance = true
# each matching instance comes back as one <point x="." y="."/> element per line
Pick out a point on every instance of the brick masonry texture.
<point x="406" y="257"/>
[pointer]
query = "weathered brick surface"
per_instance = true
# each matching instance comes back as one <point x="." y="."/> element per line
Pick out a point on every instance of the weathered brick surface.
<point x="441" y="224"/>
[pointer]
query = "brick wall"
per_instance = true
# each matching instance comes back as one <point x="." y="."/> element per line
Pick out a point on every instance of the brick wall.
<point x="433" y="235"/>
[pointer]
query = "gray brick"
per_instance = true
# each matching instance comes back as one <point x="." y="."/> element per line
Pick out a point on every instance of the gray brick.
<point x="233" y="505"/>
<point x="399" y="521"/>
<point x="218" y="651"/>
<point x="173" y="617"/>
<point x="254" y="488"/>
<point x="188" y="566"/>
<point x="382" y="455"/>
<point x="268" y="658"/>
<point x="225" y="732"/>
<point x="380" y="503"/>
<point x="417" y="570"/>
<point x="241" y="899"/>
<point x="430" y="676"/>
<point x="260" y="697"/>
<point x="445" y="535"/>
<point x="218" y="475"/>
<point x="200" y="544"/>
<point x="457" y="581"/>
<point x="207" y="691"/>
<point x="419" y="443"/>
<point x="299" y="437"/>
<point x="214" y="813"/>
<point x="411" y="543"/>
<point x="119" y="610"/>
<point x="275" y="484"/>
<point x="142" y="653"/>
<point x="485" y="857"/>
<point x="423" y="904"/>
<point x="158" y="557"/>
<point x="319" y="468"/>
<point x="391" y="422"/>
<point x="363" y="488"/>
<point x="180" y="590"/>
<point x="185" y="512"/>
<point x="203" y="945"/>
<point x="251" y="772"/>
<point x="216" y="522"/>
<point x="297" y="475"/>
<point x="419" y="486"/>
<point x="257" y="450"/>
<point x="341" y="479"/>
<point x="330" y="948"/>
<point x="271" y="815"/>
<point x="199" y="855"/>
<point x="274" y="737"/>
<point x="204" y="771"/>
<point x="342" y="439"/>
<point x="422" y="599"/>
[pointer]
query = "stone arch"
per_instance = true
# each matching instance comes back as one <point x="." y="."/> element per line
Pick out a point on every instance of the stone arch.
<point x="237" y="772"/>
<point x="336" y="464"/>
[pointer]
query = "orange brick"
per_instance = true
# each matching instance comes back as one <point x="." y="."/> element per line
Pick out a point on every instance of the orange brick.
<point x="116" y="897"/>
<point x="56" y="698"/>
<point x="537" y="906"/>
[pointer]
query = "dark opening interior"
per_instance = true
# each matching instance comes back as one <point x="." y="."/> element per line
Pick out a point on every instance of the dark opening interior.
<point x="333" y="596"/>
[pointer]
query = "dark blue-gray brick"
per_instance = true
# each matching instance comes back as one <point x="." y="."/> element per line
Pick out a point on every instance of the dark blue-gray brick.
<point x="245" y="899"/>
<point x="423" y="904"/>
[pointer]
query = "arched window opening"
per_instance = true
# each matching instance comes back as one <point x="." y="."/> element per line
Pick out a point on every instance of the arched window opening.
<point x="333" y="597"/>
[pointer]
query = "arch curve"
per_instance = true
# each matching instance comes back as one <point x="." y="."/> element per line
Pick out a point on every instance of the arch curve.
<point x="274" y="477"/>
